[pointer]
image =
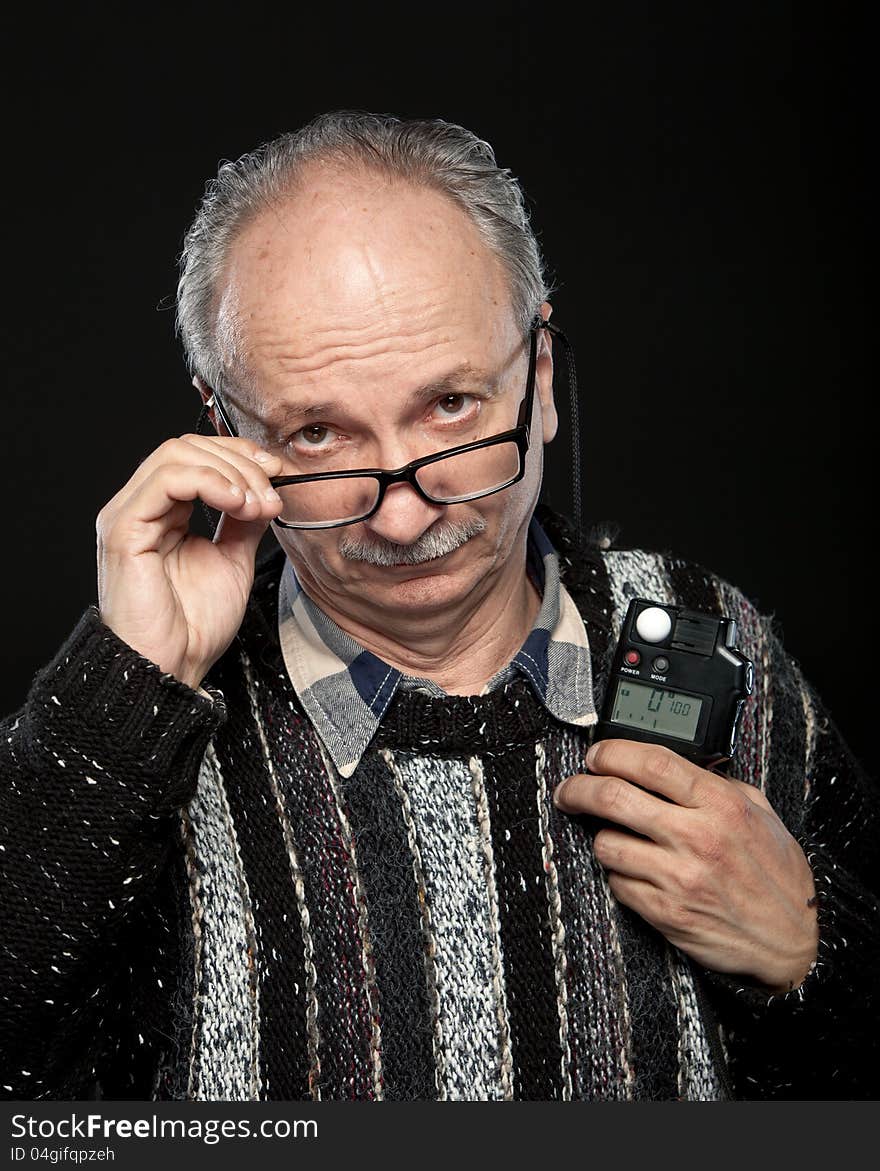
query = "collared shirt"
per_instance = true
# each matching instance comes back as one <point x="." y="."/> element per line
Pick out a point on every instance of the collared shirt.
<point x="345" y="689"/>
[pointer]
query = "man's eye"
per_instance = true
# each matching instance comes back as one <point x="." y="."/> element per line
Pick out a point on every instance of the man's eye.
<point x="313" y="436"/>
<point x="453" y="405"/>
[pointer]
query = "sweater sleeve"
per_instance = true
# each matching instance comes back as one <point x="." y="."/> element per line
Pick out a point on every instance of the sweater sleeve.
<point x="94" y="768"/>
<point x="821" y="1040"/>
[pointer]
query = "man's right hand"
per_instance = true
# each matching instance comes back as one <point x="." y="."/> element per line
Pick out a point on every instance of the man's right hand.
<point x="175" y="597"/>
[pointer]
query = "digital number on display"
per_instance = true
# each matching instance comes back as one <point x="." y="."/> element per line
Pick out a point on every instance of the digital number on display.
<point x="655" y="709"/>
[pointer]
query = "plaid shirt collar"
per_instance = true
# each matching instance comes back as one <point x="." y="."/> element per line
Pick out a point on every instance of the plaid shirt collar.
<point x="346" y="689"/>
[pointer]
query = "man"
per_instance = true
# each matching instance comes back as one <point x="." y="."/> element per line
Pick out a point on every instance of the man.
<point x="330" y="831"/>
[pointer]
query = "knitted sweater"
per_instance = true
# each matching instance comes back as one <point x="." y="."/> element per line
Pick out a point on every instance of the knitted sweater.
<point x="195" y="904"/>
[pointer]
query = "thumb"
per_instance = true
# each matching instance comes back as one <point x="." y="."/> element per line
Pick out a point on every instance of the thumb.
<point x="238" y="539"/>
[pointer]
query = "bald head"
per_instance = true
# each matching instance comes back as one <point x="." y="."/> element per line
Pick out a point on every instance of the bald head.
<point x="351" y="258"/>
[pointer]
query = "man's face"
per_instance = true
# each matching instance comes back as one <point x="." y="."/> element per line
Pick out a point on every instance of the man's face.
<point x="366" y="316"/>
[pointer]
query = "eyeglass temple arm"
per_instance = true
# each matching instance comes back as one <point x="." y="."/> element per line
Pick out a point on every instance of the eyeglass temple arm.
<point x="213" y="400"/>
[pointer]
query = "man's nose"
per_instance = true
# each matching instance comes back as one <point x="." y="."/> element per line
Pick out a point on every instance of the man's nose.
<point x="403" y="515"/>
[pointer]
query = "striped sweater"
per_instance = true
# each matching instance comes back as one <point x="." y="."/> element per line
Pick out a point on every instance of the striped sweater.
<point x="197" y="904"/>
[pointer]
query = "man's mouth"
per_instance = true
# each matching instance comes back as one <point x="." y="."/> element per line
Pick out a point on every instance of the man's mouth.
<point x="415" y="566"/>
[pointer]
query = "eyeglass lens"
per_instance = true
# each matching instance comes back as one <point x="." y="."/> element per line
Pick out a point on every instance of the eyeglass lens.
<point x="451" y="480"/>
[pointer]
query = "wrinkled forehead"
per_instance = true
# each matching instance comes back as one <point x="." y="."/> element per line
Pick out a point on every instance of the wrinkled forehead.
<point x="360" y="266"/>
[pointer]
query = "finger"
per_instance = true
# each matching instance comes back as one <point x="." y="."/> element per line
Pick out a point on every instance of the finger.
<point x="239" y="539"/>
<point x="165" y="534"/>
<point x="140" y="521"/>
<point x="753" y="794"/>
<point x="229" y="493"/>
<point x="656" y="768"/>
<point x="669" y="915"/>
<point x="255" y="473"/>
<point x="626" y="854"/>
<point x="224" y="454"/>
<point x="614" y="799"/>
<point x="237" y="453"/>
<point x="244" y="453"/>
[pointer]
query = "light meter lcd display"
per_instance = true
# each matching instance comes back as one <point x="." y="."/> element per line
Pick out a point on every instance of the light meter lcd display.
<point x="655" y="710"/>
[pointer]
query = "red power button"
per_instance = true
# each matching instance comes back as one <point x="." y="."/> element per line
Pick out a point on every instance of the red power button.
<point x="633" y="658"/>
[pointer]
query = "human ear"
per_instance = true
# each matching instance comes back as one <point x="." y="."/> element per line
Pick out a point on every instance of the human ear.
<point x="544" y="377"/>
<point x="205" y="393"/>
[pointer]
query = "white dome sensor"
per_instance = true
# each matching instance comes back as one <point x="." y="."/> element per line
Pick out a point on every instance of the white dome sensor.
<point x="653" y="624"/>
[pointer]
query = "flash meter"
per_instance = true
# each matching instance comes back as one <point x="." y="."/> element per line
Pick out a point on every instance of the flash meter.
<point x="677" y="679"/>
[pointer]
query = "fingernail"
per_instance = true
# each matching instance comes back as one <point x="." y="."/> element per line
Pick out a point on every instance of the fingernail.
<point x="262" y="457"/>
<point x="591" y="754"/>
<point x="271" y="495"/>
<point x="557" y="792"/>
<point x="235" y="490"/>
<point x="248" y="496"/>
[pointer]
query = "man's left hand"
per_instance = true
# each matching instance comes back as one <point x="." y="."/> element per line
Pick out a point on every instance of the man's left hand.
<point x="714" y="869"/>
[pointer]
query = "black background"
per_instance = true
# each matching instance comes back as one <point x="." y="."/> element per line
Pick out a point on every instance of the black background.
<point x="697" y="176"/>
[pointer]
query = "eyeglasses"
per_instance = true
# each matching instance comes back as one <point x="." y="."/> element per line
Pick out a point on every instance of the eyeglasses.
<point x="470" y="471"/>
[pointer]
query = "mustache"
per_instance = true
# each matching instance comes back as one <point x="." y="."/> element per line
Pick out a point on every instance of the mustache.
<point x="436" y="542"/>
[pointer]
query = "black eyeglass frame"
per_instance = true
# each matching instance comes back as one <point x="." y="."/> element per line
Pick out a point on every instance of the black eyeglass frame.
<point x="520" y="434"/>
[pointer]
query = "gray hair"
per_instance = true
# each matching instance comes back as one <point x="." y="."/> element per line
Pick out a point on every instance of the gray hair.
<point x="432" y="153"/>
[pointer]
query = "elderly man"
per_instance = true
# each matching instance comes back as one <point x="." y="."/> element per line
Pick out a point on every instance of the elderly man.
<point x="329" y="829"/>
